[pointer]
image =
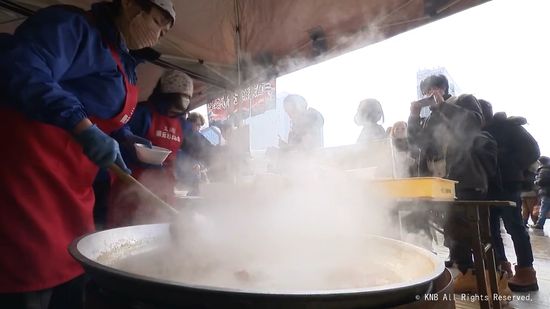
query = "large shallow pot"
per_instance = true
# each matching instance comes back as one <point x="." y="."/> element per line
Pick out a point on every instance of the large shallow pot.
<point x="101" y="252"/>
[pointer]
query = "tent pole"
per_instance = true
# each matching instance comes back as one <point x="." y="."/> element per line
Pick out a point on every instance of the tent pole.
<point x="15" y="7"/>
<point x="238" y="41"/>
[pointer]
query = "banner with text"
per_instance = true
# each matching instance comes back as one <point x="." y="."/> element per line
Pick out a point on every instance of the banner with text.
<point x="250" y="101"/>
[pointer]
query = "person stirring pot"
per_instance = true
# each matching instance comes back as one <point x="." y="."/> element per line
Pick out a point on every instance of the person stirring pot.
<point x="68" y="84"/>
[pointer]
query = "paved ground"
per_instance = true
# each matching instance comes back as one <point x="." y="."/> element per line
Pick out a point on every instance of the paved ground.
<point x="540" y="241"/>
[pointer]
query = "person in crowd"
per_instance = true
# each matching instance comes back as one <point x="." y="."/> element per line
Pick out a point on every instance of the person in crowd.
<point x="449" y="140"/>
<point x="68" y="84"/>
<point x="404" y="163"/>
<point x="530" y="206"/>
<point x="306" y="131"/>
<point x="224" y="157"/>
<point x="542" y="181"/>
<point x="195" y="154"/>
<point x="213" y="134"/>
<point x="517" y="150"/>
<point x="369" y="114"/>
<point x="195" y="122"/>
<point x="157" y="121"/>
<point x="530" y="202"/>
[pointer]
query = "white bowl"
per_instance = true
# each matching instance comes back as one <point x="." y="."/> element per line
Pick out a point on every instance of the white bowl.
<point x="155" y="155"/>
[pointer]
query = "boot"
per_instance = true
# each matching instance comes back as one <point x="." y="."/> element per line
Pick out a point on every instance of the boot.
<point x="525" y="280"/>
<point x="502" y="284"/>
<point x="507" y="267"/>
<point x="503" y="287"/>
<point x="465" y="282"/>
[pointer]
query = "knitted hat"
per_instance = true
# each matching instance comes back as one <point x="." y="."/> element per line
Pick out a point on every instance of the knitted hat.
<point x="173" y="81"/>
<point x="167" y="6"/>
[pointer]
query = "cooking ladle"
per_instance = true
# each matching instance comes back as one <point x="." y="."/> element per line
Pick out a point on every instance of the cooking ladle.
<point x="128" y="179"/>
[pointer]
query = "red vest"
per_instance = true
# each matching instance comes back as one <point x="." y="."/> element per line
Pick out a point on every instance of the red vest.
<point x="46" y="196"/>
<point x="125" y="206"/>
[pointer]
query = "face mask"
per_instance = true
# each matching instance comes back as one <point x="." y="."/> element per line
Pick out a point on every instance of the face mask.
<point x="179" y="108"/>
<point x="143" y="32"/>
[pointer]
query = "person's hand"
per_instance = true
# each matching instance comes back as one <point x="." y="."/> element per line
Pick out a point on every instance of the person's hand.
<point x="438" y="97"/>
<point x="132" y="139"/>
<point x="128" y="143"/>
<point x="100" y="148"/>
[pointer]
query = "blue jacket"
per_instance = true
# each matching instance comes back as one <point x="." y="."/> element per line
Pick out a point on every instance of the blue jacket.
<point x="142" y="117"/>
<point x="58" y="69"/>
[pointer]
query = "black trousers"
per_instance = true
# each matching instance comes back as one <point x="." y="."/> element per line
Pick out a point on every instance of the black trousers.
<point x="69" y="295"/>
<point x="513" y="222"/>
<point x="457" y="236"/>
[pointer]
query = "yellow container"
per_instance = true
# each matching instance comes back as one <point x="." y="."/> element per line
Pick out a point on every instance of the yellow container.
<point x="418" y="187"/>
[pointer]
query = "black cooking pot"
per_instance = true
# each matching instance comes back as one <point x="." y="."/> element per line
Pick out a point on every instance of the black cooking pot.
<point x="99" y="252"/>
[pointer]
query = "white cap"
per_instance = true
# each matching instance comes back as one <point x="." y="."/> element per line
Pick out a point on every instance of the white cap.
<point x="168" y="7"/>
<point x="173" y="81"/>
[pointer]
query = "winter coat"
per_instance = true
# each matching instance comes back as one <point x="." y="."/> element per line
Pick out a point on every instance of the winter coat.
<point x="448" y="140"/>
<point x="517" y="149"/>
<point x="542" y="180"/>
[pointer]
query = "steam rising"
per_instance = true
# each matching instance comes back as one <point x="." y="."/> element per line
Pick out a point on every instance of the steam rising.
<point x="305" y="229"/>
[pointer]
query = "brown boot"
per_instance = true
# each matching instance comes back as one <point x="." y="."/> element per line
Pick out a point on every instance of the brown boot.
<point x="503" y="287"/>
<point x="502" y="284"/>
<point x="524" y="280"/>
<point x="465" y="282"/>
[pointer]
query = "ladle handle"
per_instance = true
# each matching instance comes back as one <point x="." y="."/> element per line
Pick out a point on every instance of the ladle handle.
<point x="127" y="178"/>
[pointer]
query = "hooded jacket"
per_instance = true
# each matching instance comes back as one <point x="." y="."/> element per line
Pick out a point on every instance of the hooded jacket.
<point x="517" y="149"/>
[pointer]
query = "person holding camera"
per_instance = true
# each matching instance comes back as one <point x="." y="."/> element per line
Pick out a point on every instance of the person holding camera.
<point x="450" y="142"/>
<point x="542" y="181"/>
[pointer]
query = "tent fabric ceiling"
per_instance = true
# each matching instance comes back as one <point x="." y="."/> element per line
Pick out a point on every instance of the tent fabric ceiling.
<point x="227" y="43"/>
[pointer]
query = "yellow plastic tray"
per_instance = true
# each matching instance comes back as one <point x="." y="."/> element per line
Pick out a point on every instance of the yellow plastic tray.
<point x="418" y="187"/>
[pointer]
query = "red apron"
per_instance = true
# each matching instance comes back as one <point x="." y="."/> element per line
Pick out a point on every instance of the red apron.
<point x="46" y="197"/>
<point x="126" y="208"/>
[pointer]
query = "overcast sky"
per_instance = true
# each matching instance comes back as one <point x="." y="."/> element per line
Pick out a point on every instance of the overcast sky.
<point x="497" y="51"/>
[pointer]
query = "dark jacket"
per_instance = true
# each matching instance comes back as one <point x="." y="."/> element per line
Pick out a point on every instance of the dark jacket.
<point x="307" y="131"/>
<point x="517" y="149"/>
<point x="542" y="180"/>
<point x="450" y="133"/>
